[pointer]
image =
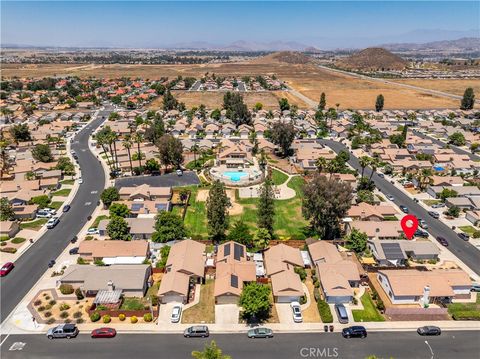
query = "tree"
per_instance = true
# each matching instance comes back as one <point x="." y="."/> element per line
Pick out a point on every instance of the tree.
<point x="168" y="227"/>
<point x="6" y="210"/>
<point x="241" y="234"/>
<point x="475" y="147"/>
<point x="217" y="211"/>
<point x="468" y="100"/>
<point x="323" y="102"/>
<point x="235" y="108"/>
<point x="364" y="162"/>
<point x="262" y="239"/>
<point x="169" y="102"/>
<point x="356" y="241"/>
<point x="21" y="132"/>
<point x="283" y="104"/>
<point x="266" y="206"/>
<point x="138" y="139"/>
<point x="41" y="152"/>
<point x="65" y="165"/>
<point x="379" y="103"/>
<point x="109" y="195"/>
<point x="127" y="144"/>
<point x="117" y="229"/>
<point x="454" y="211"/>
<point x="325" y="202"/>
<point x="283" y="135"/>
<point x="152" y="165"/>
<point x="255" y="301"/>
<point x="258" y="106"/>
<point x="321" y="164"/>
<point x="447" y="193"/>
<point x="425" y="178"/>
<point x="119" y="210"/>
<point x="211" y="351"/>
<point x="365" y="196"/>
<point x="155" y="130"/>
<point x="457" y="139"/>
<point x="170" y="151"/>
<point x="216" y="114"/>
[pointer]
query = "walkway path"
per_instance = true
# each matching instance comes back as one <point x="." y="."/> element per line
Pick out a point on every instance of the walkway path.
<point x="282" y="191"/>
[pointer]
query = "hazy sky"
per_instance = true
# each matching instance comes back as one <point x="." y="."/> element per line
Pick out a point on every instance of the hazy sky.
<point x="156" y="23"/>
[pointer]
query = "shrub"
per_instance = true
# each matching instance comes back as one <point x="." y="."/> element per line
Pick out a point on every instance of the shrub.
<point x="47" y="314"/>
<point x="64" y="314"/>
<point x="476" y="234"/>
<point x="107" y="319"/>
<point x="18" y="240"/>
<point x="79" y="320"/>
<point x="154" y="299"/>
<point x="3" y="244"/>
<point x="303" y="299"/>
<point x="121" y="316"/>
<point x="95" y="317"/>
<point x="88" y="238"/>
<point x="316" y="294"/>
<point x="355" y="300"/>
<point x="53" y="302"/>
<point x="37" y="302"/>
<point x="77" y="314"/>
<point x="324" y="311"/>
<point x="10" y="250"/>
<point x="66" y="289"/>
<point x="68" y="320"/>
<point x="301" y="272"/>
<point x="380" y="305"/>
<point x="133" y="319"/>
<point x="101" y="307"/>
<point x="147" y="317"/>
<point x="47" y="297"/>
<point x="313" y="272"/>
<point x="316" y="284"/>
<point x="4" y="238"/>
<point x="80" y="260"/>
<point x="79" y="294"/>
<point x="64" y="306"/>
<point x="51" y="321"/>
<point x="41" y="308"/>
<point x="48" y="307"/>
<point x="45" y="294"/>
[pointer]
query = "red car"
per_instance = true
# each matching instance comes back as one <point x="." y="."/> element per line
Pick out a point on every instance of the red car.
<point x="104" y="333"/>
<point x="6" y="268"/>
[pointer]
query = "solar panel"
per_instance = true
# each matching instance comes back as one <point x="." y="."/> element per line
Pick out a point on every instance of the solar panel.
<point x="226" y="250"/>
<point x="237" y="252"/>
<point x="392" y="251"/>
<point x="234" y="281"/>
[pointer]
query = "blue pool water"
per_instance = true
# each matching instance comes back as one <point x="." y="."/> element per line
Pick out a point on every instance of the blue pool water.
<point x="235" y="176"/>
<point x="438" y="168"/>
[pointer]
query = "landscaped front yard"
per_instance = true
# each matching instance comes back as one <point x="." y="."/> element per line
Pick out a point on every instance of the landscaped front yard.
<point x="134" y="303"/>
<point x="369" y="312"/>
<point x="204" y="311"/>
<point x="468" y="229"/>
<point x="35" y="225"/>
<point x="465" y="311"/>
<point x="62" y="192"/>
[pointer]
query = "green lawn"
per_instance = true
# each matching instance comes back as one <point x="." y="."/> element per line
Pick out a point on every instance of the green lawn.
<point x="133" y="303"/>
<point x="69" y="182"/>
<point x="62" y="193"/>
<point x="278" y="177"/>
<point x="34" y="224"/>
<point x="467" y="229"/>
<point x="431" y="202"/>
<point x="369" y="312"/>
<point x="98" y="219"/>
<point x="153" y="290"/>
<point x="465" y="311"/>
<point x="55" y="205"/>
<point x="196" y="217"/>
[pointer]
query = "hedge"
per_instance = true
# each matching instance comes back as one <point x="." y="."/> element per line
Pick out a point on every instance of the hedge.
<point x="107" y="319"/>
<point x="18" y="240"/>
<point x="66" y="289"/>
<point x="9" y="250"/>
<point x="133" y="319"/>
<point x="95" y="317"/>
<point x="324" y="311"/>
<point x="147" y="317"/>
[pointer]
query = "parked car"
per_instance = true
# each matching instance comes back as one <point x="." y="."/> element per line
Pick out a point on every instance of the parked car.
<point x="341" y="313"/>
<point x="196" y="331"/>
<point x="66" y="208"/>
<point x="80" y="180"/>
<point x="179" y="172"/>
<point x="475" y="288"/>
<point x="176" y="314"/>
<point x="43" y="214"/>
<point x="6" y="268"/>
<point x="52" y="222"/>
<point x="390" y="197"/>
<point x="356" y="331"/>
<point x="51" y="263"/>
<point x="103" y="333"/>
<point x="442" y="241"/>
<point x="421" y="233"/>
<point x="63" y="331"/>
<point x="74" y="239"/>
<point x="438" y="205"/>
<point x="260" y="333"/>
<point x="404" y="209"/>
<point x="434" y="214"/>
<point x="51" y="211"/>
<point x="464" y="236"/>
<point x="73" y="251"/>
<point x="422" y="224"/>
<point x="93" y="230"/>
<point x="296" y="312"/>
<point x="381" y="175"/>
<point x="429" y="330"/>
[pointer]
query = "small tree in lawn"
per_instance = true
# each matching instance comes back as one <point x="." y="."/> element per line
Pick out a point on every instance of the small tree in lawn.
<point x="119" y="209"/>
<point x="117" y="229"/>
<point x="211" y="351"/>
<point x="283" y="135"/>
<point x="168" y="227"/>
<point x="255" y="301"/>
<point x="379" y="103"/>
<point x="109" y="195"/>
<point x="356" y="241"/>
<point x="217" y="211"/>
<point x="454" y="211"/>
<point x="266" y="206"/>
<point x="241" y="234"/>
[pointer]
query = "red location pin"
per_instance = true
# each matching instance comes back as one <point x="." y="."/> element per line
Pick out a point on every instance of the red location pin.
<point x="409" y="225"/>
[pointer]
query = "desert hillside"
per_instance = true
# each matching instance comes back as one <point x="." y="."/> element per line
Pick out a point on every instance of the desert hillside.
<point x="373" y="59"/>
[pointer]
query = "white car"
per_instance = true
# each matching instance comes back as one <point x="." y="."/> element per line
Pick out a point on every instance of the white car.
<point x="179" y="172"/>
<point x="80" y="180"/>
<point x="297" y="312"/>
<point x="176" y="314"/>
<point x="390" y="197"/>
<point x="52" y="222"/>
<point x="93" y="230"/>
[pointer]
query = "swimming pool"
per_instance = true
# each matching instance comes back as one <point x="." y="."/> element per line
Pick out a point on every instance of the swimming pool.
<point x="235" y="176"/>
<point x="438" y="168"/>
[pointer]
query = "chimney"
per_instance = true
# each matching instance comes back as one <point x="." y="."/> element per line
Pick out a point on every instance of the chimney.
<point x="426" y="295"/>
<point x="110" y="286"/>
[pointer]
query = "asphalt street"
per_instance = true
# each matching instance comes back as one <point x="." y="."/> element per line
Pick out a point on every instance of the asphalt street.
<point x="462" y="249"/>
<point x="398" y="345"/>
<point x="34" y="262"/>
<point x="167" y="180"/>
<point x="455" y="149"/>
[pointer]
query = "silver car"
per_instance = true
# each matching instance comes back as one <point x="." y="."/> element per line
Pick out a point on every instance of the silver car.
<point x="176" y="314"/>
<point x="296" y="312"/>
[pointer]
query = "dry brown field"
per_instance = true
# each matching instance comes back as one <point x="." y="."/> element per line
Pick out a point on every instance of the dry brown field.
<point x="456" y="87"/>
<point x="308" y="79"/>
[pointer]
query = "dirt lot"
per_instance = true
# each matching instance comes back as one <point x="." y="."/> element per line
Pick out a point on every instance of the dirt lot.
<point x="456" y="87"/>
<point x="308" y="79"/>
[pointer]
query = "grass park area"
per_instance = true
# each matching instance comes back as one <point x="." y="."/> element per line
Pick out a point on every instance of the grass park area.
<point x="369" y="312"/>
<point x="35" y="225"/>
<point x="204" y="311"/>
<point x="278" y="177"/>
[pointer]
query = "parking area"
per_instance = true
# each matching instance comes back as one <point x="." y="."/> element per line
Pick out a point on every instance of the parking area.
<point x="165" y="312"/>
<point x="169" y="180"/>
<point x="226" y="313"/>
<point x="284" y="313"/>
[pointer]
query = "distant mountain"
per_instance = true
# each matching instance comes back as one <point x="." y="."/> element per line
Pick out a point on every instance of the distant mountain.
<point x="372" y="59"/>
<point x="463" y="44"/>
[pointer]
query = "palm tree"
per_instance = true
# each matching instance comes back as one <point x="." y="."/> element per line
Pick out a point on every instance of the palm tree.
<point x="425" y="178"/>
<point x="138" y="138"/>
<point x="195" y="151"/>
<point x="364" y="162"/>
<point x="321" y="164"/>
<point x="374" y="164"/>
<point x="103" y="141"/>
<point x="332" y="167"/>
<point x="4" y="157"/>
<point x="114" y="140"/>
<point x="127" y="144"/>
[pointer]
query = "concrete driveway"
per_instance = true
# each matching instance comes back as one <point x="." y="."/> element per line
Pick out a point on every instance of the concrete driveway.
<point x="284" y="313"/>
<point x="168" y="180"/>
<point x="166" y="311"/>
<point x="226" y="313"/>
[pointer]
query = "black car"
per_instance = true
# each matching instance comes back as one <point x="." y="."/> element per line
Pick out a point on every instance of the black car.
<point x="464" y="236"/>
<point x="429" y="330"/>
<point x="73" y="251"/>
<point x="421" y="233"/>
<point x="356" y="331"/>
<point x="66" y="208"/>
<point x="74" y="239"/>
<point x="51" y="263"/>
<point x="404" y="209"/>
<point x="442" y="241"/>
<point x="381" y="175"/>
<point x="434" y="214"/>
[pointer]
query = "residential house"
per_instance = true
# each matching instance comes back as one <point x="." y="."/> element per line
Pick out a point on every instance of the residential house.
<point x="9" y="228"/>
<point x="114" y="252"/>
<point x="397" y="252"/>
<point x="378" y="230"/>
<point x="366" y="212"/>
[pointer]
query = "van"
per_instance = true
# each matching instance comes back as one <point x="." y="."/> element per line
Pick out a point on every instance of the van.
<point x="63" y="331"/>
<point x="196" y="331"/>
<point x="341" y="313"/>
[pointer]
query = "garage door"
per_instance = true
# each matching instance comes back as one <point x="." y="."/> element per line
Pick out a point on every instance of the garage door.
<point x="172" y="298"/>
<point x="227" y="299"/>
<point x="287" y="299"/>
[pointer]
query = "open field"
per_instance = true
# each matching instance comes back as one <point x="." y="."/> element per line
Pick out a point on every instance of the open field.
<point x="308" y="79"/>
<point x="456" y="87"/>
